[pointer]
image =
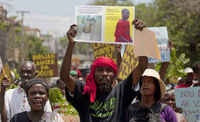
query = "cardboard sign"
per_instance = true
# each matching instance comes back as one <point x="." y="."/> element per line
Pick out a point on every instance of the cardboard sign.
<point x="46" y="65"/>
<point x="128" y="62"/>
<point x="107" y="50"/>
<point x="105" y="24"/>
<point x="189" y="100"/>
<point x="162" y="40"/>
<point x="146" y="44"/>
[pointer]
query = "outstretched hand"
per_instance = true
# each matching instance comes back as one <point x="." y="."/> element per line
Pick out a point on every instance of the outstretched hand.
<point x="71" y="33"/>
<point x="139" y="24"/>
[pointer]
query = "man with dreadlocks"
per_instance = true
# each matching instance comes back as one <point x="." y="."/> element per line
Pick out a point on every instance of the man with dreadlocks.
<point x="97" y="101"/>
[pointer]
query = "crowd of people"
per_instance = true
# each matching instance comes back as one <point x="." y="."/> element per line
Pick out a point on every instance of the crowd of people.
<point x="143" y="96"/>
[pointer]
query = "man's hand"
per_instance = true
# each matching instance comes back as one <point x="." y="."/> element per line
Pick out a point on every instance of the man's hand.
<point x="143" y="60"/>
<point x="71" y="33"/>
<point x="139" y="24"/>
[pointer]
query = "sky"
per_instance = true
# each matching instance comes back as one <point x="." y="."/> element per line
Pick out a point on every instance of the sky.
<point x="50" y="16"/>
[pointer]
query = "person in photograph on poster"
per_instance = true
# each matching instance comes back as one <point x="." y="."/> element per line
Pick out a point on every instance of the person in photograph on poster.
<point x="122" y="32"/>
<point x="89" y="28"/>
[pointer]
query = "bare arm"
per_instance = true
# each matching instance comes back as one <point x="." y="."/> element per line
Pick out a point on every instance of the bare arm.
<point x="2" y="107"/>
<point x="138" y="71"/>
<point x="66" y="64"/>
<point x="163" y="70"/>
<point x="118" y="55"/>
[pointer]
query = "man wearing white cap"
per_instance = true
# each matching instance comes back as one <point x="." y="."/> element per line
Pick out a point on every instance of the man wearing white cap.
<point x="187" y="81"/>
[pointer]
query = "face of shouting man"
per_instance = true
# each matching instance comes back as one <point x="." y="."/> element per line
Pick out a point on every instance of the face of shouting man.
<point x="104" y="77"/>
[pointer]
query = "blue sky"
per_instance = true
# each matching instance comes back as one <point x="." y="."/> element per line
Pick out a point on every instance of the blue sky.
<point x="50" y="16"/>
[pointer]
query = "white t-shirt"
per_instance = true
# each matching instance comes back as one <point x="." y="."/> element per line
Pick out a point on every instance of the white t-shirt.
<point x="16" y="102"/>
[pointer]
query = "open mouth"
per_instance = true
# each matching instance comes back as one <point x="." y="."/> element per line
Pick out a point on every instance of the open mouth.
<point x="37" y="102"/>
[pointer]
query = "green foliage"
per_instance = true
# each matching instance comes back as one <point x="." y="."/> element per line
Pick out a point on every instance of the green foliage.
<point x="13" y="86"/>
<point x="34" y="46"/>
<point x="113" y="3"/>
<point x="176" y="67"/>
<point x="18" y="29"/>
<point x="17" y="76"/>
<point x="4" y="26"/>
<point x="56" y="96"/>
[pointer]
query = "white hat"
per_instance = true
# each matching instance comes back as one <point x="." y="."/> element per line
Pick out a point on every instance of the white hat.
<point x="188" y="70"/>
<point x="155" y="74"/>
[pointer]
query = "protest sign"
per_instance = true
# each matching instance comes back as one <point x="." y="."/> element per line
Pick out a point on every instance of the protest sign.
<point x="162" y="40"/>
<point x="128" y="62"/>
<point x="5" y="72"/>
<point x="46" y="65"/>
<point x="107" y="50"/>
<point x="105" y="24"/>
<point x="146" y="44"/>
<point x="189" y="100"/>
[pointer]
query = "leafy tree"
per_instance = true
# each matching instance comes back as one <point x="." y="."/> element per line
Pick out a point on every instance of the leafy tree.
<point x="112" y="2"/>
<point x="34" y="46"/>
<point x="176" y="66"/>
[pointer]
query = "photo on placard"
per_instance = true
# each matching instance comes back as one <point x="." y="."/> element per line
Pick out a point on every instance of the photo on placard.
<point x="89" y="27"/>
<point x="118" y="27"/>
<point x="105" y="24"/>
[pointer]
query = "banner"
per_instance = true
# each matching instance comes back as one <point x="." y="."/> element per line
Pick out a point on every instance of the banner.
<point x="128" y="62"/>
<point x="46" y="65"/>
<point x="189" y="100"/>
<point x="107" y="50"/>
<point x="105" y="24"/>
<point x="162" y="40"/>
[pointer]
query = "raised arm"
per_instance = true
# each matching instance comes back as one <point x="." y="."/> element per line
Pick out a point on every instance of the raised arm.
<point x="143" y="60"/>
<point x="66" y="64"/>
<point x="138" y="71"/>
<point x="163" y="70"/>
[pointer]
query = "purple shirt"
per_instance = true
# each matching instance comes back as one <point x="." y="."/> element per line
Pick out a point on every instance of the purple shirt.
<point x="168" y="115"/>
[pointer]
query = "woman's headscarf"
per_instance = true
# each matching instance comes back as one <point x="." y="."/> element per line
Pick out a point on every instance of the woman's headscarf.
<point x="34" y="81"/>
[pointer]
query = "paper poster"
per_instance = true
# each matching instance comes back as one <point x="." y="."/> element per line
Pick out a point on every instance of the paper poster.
<point x="107" y="50"/>
<point x="162" y="40"/>
<point x="46" y="65"/>
<point x="128" y="62"/>
<point x="105" y="24"/>
<point x="146" y="44"/>
<point x="189" y="100"/>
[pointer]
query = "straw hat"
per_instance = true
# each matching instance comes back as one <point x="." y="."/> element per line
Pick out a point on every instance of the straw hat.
<point x="155" y="74"/>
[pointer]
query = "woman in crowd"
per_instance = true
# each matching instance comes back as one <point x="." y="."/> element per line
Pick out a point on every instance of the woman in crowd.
<point x="169" y="99"/>
<point x="148" y="107"/>
<point x="37" y="93"/>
